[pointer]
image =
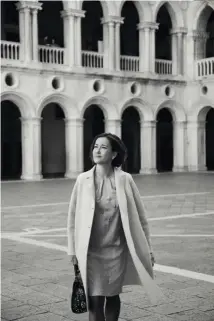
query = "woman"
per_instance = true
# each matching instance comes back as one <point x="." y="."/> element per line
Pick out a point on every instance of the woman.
<point x="108" y="234"/>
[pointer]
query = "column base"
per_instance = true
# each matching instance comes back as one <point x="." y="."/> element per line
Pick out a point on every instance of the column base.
<point x="72" y="174"/>
<point x="33" y="177"/>
<point x="178" y="169"/>
<point x="147" y="171"/>
<point x="192" y="168"/>
<point x="202" y="168"/>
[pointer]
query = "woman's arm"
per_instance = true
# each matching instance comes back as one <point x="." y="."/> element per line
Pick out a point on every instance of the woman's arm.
<point x="71" y="220"/>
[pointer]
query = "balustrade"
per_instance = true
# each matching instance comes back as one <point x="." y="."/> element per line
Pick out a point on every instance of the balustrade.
<point x="10" y="50"/>
<point x="129" y="63"/>
<point x="92" y="59"/>
<point x="205" y="67"/>
<point x="163" y="67"/>
<point x="51" y="55"/>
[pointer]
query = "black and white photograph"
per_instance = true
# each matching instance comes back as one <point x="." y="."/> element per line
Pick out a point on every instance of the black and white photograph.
<point x="107" y="160"/>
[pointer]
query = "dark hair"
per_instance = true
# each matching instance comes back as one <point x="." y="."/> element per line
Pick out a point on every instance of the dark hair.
<point x="117" y="146"/>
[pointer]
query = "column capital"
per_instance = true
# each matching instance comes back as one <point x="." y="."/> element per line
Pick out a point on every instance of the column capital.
<point x="30" y="5"/>
<point x="112" y="19"/>
<point x="198" y="34"/>
<point x="148" y="25"/>
<point x="179" y="123"/>
<point x="74" y="121"/>
<point x="148" y="123"/>
<point x="113" y="121"/>
<point x="178" y="31"/>
<point x="73" y="12"/>
<point x="30" y="119"/>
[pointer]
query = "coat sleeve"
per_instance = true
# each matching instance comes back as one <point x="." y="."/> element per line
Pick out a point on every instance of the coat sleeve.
<point x="71" y="220"/>
<point x="141" y="211"/>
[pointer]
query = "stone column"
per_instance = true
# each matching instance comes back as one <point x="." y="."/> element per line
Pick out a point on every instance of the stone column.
<point x="200" y="44"/>
<point x="174" y="53"/>
<point x="74" y="147"/>
<point x="189" y="54"/>
<point x="201" y="146"/>
<point x="25" y="31"/>
<point x="153" y="28"/>
<point x="118" y="23"/>
<point x="35" y="10"/>
<point x="147" y="46"/>
<point x="31" y="148"/>
<point x="21" y="30"/>
<point x="69" y="36"/>
<point x="192" y="146"/>
<point x="79" y="14"/>
<point x="111" y="35"/>
<point x="144" y="47"/>
<point x="179" y="146"/>
<point x="113" y="126"/>
<point x="148" y="147"/>
<point x="111" y="45"/>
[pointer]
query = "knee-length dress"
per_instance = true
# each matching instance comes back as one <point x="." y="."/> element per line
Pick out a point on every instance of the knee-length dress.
<point x="107" y="252"/>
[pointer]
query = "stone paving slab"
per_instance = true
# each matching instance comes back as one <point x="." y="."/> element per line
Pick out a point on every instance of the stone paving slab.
<point x="36" y="281"/>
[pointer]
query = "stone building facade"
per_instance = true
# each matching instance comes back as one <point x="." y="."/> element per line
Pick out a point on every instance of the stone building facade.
<point x="143" y="70"/>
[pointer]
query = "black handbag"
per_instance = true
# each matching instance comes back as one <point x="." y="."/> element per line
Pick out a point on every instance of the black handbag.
<point x="78" y="297"/>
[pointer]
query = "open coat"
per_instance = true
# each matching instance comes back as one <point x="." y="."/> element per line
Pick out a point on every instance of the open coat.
<point x="80" y="219"/>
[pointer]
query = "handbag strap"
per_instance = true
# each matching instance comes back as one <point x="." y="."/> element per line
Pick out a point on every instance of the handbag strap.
<point x="76" y="269"/>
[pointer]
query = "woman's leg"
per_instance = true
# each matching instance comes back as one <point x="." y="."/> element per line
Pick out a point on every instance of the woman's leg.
<point x="96" y="308"/>
<point x="112" y="308"/>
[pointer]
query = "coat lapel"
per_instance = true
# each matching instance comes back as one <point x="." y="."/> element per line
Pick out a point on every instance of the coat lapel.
<point x="121" y="198"/>
<point x="90" y="183"/>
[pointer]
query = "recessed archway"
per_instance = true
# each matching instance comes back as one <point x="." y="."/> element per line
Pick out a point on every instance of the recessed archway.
<point x="163" y="44"/>
<point x="129" y="35"/>
<point x="93" y="126"/>
<point x="92" y="29"/>
<point x="9" y="21"/>
<point x="11" y="141"/>
<point x="50" y="24"/>
<point x="210" y="139"/>
<point x="53" y="141"/>
<point x="164" y="141"/>
<point x="131" y="138"/>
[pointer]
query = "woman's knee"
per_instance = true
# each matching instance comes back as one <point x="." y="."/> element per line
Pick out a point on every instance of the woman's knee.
<point x="113" y="299"/>
<point x="96" y="303"/>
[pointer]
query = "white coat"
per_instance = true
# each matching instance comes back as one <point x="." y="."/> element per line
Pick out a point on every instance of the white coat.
<point x="80" y="218"/>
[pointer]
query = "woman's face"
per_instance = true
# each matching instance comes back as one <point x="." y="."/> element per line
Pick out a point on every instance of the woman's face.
<point x="102" y="151"/>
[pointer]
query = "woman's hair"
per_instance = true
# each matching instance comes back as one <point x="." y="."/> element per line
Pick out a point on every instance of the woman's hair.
<point x="117" y="146"/>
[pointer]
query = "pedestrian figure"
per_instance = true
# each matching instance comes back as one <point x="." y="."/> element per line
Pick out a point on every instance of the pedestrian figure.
<point x="108" y="233"/>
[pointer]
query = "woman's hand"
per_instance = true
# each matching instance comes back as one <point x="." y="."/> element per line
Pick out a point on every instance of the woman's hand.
<point x="152" y="259"/>
<point x="73" y="259"/>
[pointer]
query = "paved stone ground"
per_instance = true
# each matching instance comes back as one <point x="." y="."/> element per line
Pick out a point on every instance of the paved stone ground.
<point x="37" y="277"/>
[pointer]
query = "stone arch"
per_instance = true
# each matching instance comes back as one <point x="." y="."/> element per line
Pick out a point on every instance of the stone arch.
<point x="107" y="7"/>
<point x="198" y="110"/>
<point x="145" y="111"/>
<point x="194" y="13"/>
<point x="175" y="13"/>
<point x="176" y="109"/>
<point x="108" y="109"/>
<point x="67" y="104"/>
<point x="143" y="8"/>
<point x="25" y="105"/>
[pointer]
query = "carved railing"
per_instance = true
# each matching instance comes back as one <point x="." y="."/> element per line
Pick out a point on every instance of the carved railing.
<point x="51" y="55"/>
<point x="129" y="63"/>
<point x="163" y="67"/>
<point x="205" y="67"/>
<point x="10" y="50"/>
<point x="91" y="59"/>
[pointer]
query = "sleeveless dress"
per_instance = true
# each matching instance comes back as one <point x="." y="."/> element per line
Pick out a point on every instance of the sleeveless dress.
<point x="107" y="252"/>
